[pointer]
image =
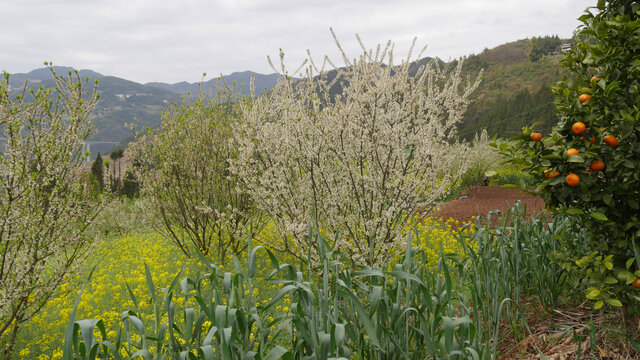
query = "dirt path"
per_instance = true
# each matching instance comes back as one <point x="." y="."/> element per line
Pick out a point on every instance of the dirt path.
<point x="482" y="199"/>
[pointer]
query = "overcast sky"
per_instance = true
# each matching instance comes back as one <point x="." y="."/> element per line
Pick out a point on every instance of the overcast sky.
<point x="171" y="41"/>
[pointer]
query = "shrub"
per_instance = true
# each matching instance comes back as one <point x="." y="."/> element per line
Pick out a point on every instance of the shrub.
<point x="97" y="173"/>
<point x="130" y="185"/>
<point x="512" y="175"/>
<point x="483" y="158"/>
<point x="360" y="146"/>
<point x="183" y="167"/>
<point x="44" y="204"/>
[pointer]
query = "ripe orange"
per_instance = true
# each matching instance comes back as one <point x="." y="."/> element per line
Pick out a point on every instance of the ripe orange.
<point x="611" y="140"/>
<point x="573" y="179"/>
<point x="578" y="128"/>
<point x="572" y="151"/>
<point x="548" y="174"/>
<point x="597" y="165"/>
<point x="583" y="98"/>
<point x="636" y="283"/>
<point x="536" y="137"/>
<point x="593" y="139"/>
<point x="595" y="78"/>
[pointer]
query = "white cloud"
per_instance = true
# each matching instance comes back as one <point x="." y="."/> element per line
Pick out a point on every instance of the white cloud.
<point x="145" y="40"/>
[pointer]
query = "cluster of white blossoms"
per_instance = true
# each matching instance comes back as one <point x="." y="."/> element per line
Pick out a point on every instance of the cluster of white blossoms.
<point x="45" y="207"/>
<point x="355" y="149"/>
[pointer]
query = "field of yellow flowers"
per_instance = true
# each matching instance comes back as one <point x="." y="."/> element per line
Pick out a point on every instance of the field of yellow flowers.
<point x="120" y="262"/>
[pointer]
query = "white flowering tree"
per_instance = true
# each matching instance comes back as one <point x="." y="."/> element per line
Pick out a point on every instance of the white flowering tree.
<point x="184" y="168"/>
<point x="45" y="206"/>
<point x="362" y="147"/>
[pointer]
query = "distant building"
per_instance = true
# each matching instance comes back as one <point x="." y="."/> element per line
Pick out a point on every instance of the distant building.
<point x="565" y="47"/>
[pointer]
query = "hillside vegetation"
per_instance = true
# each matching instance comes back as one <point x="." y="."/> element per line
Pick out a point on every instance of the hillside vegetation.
<point x="515" y="90"/>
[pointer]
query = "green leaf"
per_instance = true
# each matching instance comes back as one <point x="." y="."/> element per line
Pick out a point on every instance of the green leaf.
<point x="338" y="334"/>
<point x="598" y="304"/>
<point x="277" y="353"/>
<point x="575" y="211"/>
<point x="206" y="352"/>
<point x="364" y="317"/>
<point x="592" y="293"/>
<point x="575" y="159"/>
<point x="552" y="157"/>
<point x="614" y="302"/>
<point x="69" y="334"/>
<point x="252" y="261"/>
<point x="152" y="290"/>
<point x="369" y="272"/>
<point x="598" y="216"/>
<point x="629" y="263"/>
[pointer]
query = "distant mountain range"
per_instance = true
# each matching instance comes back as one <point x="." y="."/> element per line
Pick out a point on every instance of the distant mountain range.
<point x="515" y="92"/>
<point x="123" y="101"/>
<point x="261" y="83"/>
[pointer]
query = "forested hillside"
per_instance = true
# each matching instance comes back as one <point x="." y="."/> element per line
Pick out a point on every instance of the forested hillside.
<point x="516" y="87"/>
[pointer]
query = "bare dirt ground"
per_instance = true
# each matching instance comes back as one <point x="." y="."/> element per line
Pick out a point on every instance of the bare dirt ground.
<point x="482" y="199"/>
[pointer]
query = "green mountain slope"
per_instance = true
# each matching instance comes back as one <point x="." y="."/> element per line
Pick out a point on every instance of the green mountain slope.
<point x="515" y="90"/>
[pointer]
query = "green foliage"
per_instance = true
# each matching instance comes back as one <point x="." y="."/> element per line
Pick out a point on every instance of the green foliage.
<point x="116" y="180"/>
<point x="97" y="172"/>
<point x="514" y="92"/>
<point x="511" y="112"/>
<point x="512" y="257"/>
<point x="542" y="46"/>
<point x="130" y="185"/>
<point x="509" y="174"/>
<point x="184" y="168"/>
<point x="605" y="203"/>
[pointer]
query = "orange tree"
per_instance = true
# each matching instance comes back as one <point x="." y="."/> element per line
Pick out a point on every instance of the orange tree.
<point x="600" y="185"/>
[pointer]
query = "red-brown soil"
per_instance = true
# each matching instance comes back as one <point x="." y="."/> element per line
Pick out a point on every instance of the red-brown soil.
<point x="482" y="199"/>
